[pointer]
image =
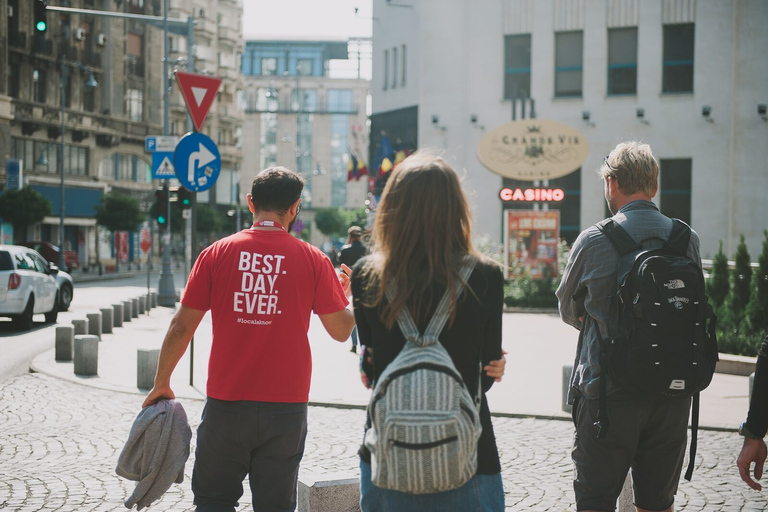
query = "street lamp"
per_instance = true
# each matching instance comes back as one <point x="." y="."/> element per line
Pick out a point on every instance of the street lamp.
<point x="91" y="84"/>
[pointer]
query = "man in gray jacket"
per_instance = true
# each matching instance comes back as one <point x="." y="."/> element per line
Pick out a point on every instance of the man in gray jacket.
<point x="648" y="435"/>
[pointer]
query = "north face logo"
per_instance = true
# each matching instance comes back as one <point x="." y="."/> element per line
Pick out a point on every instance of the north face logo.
<point x="677" y="385"/>
<point x="674" y="284"/>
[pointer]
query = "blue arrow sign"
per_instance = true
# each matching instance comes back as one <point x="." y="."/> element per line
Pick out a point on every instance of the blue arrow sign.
<point x="197" y="162"/>
<point x="162" y="166"/>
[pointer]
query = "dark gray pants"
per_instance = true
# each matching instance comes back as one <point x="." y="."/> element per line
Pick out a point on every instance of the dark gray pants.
<point x="260" y="439"/>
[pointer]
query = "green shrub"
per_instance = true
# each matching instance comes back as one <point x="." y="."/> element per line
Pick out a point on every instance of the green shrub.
<point x="718" y="285"/>
<point x="757" y="310"/>
<point x="521" y="290"/>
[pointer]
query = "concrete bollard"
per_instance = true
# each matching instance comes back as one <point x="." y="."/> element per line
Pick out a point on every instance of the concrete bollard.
<point x="127" y="306"/>
<point x="626" y="499"/>
<point x="117" y="310"/>
<point x="94" y="324"/>
<point x="134" y="308"/>
<point x="328" y="493"/>
<point x="86" y="354"/>
<point x="567" y="369"/>
<point x="148" y="301"/>
<point x="106" y="320"/>
<point x="146" y="367"/>
<point x="80" y="326"/>
<point x="153" y="297"/>
<point x="65" y="338"/>
<point x="751" y="385"/>
<point x="142" y="304"/>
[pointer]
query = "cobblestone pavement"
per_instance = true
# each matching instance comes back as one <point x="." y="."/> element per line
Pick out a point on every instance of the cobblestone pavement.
<point x="59" y="444"/>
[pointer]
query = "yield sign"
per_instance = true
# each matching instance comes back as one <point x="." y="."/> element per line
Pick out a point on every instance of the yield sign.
<point x="199" y="91"/>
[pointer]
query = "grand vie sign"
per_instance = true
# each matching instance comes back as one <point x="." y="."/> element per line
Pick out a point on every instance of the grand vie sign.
<point x="533" y="149"/>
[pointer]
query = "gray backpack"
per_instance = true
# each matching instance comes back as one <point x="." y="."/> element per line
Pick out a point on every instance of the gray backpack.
<point x="424" y="424"/>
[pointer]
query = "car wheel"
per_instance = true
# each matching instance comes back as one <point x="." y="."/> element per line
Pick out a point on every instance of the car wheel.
<point x="23" y="322"/>
<point x="65" y="297"/>
<point x="52" y="315"/>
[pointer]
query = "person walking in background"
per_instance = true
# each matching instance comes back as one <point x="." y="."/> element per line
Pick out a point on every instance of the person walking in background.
<point x="422" y="251"/>
<point x="261" y="286"/>
<point x="647" y="434"/>
<point x="350" y="253"/>
<point x="753" y="450"/>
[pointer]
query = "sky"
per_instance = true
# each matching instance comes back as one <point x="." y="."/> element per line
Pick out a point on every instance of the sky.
<point x="306" y="19"/>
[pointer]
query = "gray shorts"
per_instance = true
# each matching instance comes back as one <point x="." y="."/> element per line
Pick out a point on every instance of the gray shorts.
<point x="647" y="435"/>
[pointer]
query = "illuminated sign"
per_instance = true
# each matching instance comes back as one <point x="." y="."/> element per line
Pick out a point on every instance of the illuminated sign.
<point x="532" y="194"/>
<point x="533" y="149"/>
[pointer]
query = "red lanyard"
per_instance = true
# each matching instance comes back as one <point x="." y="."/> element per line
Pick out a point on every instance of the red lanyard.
<point x="268" y="224"/>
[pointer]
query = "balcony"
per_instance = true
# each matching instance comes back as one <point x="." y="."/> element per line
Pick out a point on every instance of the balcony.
<point x="205" y="25"/>
<point x="229" y="35"/>
<point x="134" y="65"/>
<point x="230" y="153"/>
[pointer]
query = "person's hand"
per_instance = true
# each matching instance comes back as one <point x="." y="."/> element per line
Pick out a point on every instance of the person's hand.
<point x="345" y="281"/>
<point x="158" y="393"/>
<point x="495" y="369"/>
<point x="753" y="450"/>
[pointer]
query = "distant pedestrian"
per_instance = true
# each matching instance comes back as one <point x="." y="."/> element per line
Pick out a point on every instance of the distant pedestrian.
<point x="754" y="429"/>
<point x="351" y="252"/>
<point x="422" y="253"/>
<point x="261" y="286"/>
<point x="618" y="427"/>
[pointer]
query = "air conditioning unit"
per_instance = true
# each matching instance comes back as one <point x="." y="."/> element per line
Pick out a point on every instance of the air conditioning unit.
<point x="79" y="34"/>
<point x="101" y="39"/>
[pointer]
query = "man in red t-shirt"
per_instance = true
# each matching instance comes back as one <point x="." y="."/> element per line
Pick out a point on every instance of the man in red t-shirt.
<point x="261" y="286"/>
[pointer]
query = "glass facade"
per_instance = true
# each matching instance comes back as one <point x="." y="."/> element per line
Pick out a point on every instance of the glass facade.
<point x="28" y="150"/>
<point x="339" y="143"/>
<point x="268" y="140"/>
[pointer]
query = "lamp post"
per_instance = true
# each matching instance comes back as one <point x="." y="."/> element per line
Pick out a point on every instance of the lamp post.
<point x="91" y="83"/>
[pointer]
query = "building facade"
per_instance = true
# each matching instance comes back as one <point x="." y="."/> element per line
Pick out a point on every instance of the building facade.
<point x="686" y="76"/>
<point x="306" y="113"/>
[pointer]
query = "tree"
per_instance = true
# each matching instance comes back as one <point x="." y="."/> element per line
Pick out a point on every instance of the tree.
<point x="23" y="207"/>
<point x="757" y="311"/>
<point x="742" y="279"/>
<point x="718" y="285"/>
<point x="330" y="222"/>
<point x="355" y="217"/>
<point x="119" y="212"/>
<point x="209" y="220"/>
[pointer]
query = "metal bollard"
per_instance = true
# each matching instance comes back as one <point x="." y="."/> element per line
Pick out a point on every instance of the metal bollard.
<point x="65" y="338"/>
<point x="80" y="325"/>
<point x="142" y="304"/>
<point x="134" y="308"/>
<point x="117" y="314"/>
<point x="94" y="324"/>
<point x="106" y="320"/>
<point x="153" y="296"/>
<point x="86" y="355"/>
<point x="127" y="306"/>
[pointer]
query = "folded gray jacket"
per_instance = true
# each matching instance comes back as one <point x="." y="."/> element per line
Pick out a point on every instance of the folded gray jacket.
<point x="155" y="452"/>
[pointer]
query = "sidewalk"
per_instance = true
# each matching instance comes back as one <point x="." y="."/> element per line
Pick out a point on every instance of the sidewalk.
<point x="538" y="346"/>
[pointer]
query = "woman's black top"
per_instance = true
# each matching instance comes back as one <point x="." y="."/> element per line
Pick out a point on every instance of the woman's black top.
<point x="474" y="335"/>
<point x="757" y="418"/>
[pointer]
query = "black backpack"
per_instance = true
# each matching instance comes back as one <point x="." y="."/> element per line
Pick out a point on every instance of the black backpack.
<point x="661" y="341"/>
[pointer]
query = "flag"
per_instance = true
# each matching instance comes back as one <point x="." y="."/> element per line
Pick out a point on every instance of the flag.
<point x="352" y="168"/>
<point x="386" y="166"/>
<point x="362" y="170"/>
<point x="385" y="150"/>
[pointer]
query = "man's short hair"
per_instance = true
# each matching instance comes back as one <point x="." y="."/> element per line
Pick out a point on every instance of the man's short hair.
<point x="633" y="166"/>
<point x="275" y="189"/>
<point x="355" y="232"/>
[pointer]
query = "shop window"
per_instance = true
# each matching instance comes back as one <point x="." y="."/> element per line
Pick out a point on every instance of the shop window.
<point x="678" y="58"/>
<point x="675" y="189"/>
<point x="622" y="61"/>
<point x="517" y="66"/>
<point x="569" y="57"/>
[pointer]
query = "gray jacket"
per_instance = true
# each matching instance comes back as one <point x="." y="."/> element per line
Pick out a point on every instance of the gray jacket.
<point x="155" y="452"/>
<point x="590" y="276"/>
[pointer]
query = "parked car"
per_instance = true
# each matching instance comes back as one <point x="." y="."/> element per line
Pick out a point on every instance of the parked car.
<point x="28" y="286"/>
<point x="51" y="253"/>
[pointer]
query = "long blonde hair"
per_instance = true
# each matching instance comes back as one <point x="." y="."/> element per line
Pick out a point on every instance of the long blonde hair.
<point x="421" y="234"/>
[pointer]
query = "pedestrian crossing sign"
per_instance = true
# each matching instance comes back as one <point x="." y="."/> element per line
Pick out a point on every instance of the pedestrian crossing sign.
<point x="162" y="166"/>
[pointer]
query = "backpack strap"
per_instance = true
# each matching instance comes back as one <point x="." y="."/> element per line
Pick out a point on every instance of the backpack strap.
<point x="618" y="236"/>
<point x="694" y="435"/>
<point x="680" y="236"/>
<point x="436" y="324"/>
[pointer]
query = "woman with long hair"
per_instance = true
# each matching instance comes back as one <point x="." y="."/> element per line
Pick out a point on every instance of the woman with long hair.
<point x="422" y="243"/>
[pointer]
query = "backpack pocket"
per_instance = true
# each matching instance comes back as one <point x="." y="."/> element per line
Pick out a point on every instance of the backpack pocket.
<point x="425" y="453"/>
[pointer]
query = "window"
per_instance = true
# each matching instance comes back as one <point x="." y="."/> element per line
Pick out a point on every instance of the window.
<point x="13" y="80"/>
<point x="40" y="77"/>
<point x="124" y="167"/>
<point x="269" y="66"/>
<point x="386" y="69"/>
<point x="308" y="100"/>
<point x="678" y="58"/>
<point x="89" y="98"/>
<point x="394" y="67"/>
<point x="134" y="106"/>
<point x="75" y="161"/>
<point x="568" y="63"/>
<point x="675" y="189"/>
<point x="402" y="57"/>
<point x="339" y="100"/>
<point x="622" y="61"/>
<point x="517" y="66"/>
<point x="339" y="145"/>
<point x="304" y="67"/>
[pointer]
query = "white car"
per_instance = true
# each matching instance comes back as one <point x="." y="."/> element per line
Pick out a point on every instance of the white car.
<point x="27" y="286"/>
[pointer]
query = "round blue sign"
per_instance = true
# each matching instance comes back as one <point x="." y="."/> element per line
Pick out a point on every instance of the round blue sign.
<point x="197" y="162"/>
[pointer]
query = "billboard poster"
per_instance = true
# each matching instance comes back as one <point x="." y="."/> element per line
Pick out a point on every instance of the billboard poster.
<point x="530" y="242"/>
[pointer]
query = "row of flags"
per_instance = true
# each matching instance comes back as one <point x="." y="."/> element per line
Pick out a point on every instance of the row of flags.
<point x="385" y="159"/>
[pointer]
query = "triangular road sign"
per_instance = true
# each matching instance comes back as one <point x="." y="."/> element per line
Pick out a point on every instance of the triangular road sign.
<point x="199" y="91"/>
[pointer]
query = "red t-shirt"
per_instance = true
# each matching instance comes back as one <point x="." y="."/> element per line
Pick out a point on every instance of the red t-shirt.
<point x="261" y="287"/>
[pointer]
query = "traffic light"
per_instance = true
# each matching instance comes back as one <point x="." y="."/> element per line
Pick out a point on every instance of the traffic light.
<point x="161" y="206"/>
<point x="185" y="198"/>
<point x="41" y="15"/>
